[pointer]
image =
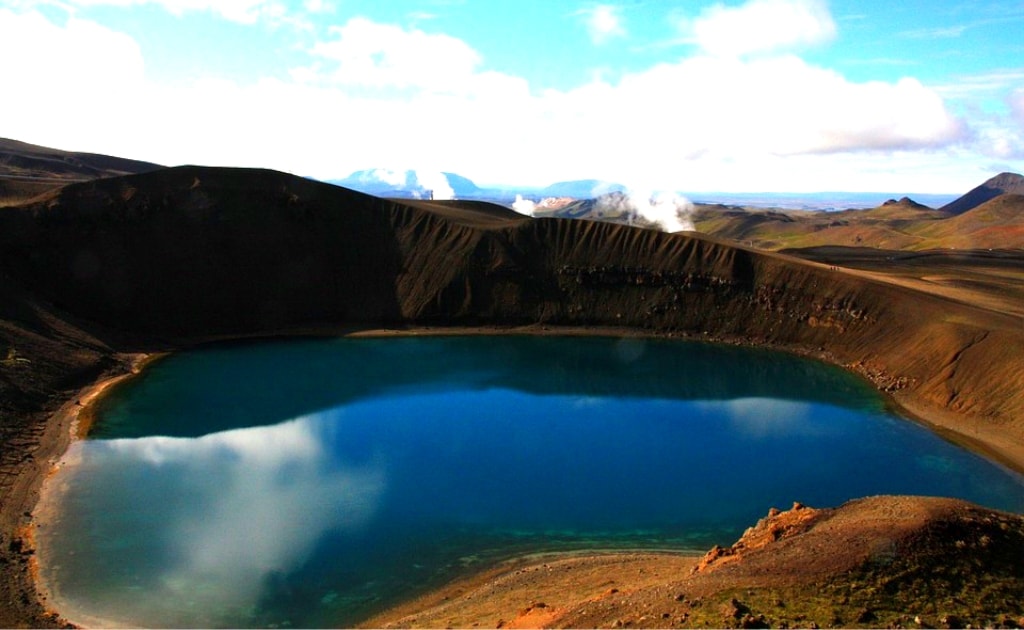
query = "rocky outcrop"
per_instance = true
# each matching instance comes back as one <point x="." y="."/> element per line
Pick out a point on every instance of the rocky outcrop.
<point x="770" y="529"/>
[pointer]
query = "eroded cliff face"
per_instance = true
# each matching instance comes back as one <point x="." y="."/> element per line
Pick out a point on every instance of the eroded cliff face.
<point x="947" y="355"/>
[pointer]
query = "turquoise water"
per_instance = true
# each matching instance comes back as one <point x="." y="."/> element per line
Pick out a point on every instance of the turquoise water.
<point x="309" y="483"/>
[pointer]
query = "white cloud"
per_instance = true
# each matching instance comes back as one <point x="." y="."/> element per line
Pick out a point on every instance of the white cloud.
<point x="367" y="53"/>
<point x="318" y="6"/>
<point x="994" y="83"/>
<point x="242" y="11"/>
<point x="1001" y="135"/>
<point x="705" y="106"/>
<point x="79" y="53"/>
<point x="603" y="23"/>
<point x="77" y="76"/>
<point x="760" y="26"/>
<point x="1017" y="106"/>
<point x="393" y="177"/>
<point x="1002" y="145"/>
<point x="376" y="95"/>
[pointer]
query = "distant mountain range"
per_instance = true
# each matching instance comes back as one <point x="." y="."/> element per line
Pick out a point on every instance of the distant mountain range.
<point x="410" y="184"/>
<point x="418" y="184"/>
<point x="990" y="215"/>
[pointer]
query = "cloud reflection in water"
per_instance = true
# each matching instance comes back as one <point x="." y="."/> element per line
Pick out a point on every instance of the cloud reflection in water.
<point x="240" y="507"/>
<point x="758" y="418"/>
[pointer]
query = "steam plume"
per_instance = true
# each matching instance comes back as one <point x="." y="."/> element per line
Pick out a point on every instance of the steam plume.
<point x="668" y="212"/>
<point x="436" y="184"/>
<point x="524" y="206"/>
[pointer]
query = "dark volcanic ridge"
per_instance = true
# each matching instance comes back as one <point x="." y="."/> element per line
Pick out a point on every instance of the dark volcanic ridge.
<point x="27" y="170"/>
<point x="20" y="159"/>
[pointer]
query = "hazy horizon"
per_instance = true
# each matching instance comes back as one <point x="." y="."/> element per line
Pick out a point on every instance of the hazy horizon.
<point x="419" y="182"/>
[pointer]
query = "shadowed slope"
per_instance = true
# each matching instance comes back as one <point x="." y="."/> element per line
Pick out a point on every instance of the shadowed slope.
<point x="1002" y="184"/>
<point x="23" y="159"/>
<point x="168" y="252"/>
<point x="27" y="170"/>
<point x="482" y="214"/>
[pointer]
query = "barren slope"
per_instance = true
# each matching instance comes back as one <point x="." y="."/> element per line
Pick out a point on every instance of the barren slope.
<point x="1002" y="184"/>
<point x="996" y="222"/>
<point x="27" y="170"/>
<point x="988" y="278"/>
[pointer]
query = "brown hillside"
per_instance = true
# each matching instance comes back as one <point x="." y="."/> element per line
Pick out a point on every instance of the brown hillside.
<point x="23" y="159"/>
<point x="895" y="225"/>
<point x="1002" y="184"/>
<point x="99" y="270"/>
<point x="27" y="170"/>
<point x="882" y="227"/>
<point x="991" y="279"/>
<point x="997" y="223"/>
<point x="903" y="209"/>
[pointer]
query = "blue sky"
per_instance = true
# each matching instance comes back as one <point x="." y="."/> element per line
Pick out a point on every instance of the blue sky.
<point x="690" y="96"/>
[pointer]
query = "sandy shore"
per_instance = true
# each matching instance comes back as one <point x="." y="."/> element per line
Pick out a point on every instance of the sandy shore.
<point x="69" y="424"/>
<point x="536" y="590"/>
<point x="1003" y="445"/>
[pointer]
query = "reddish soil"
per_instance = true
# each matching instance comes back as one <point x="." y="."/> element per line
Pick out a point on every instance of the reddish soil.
<point x="857" y="565"/>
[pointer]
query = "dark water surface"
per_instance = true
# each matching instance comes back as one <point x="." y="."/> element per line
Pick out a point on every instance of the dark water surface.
<point x="311" y="482"/>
